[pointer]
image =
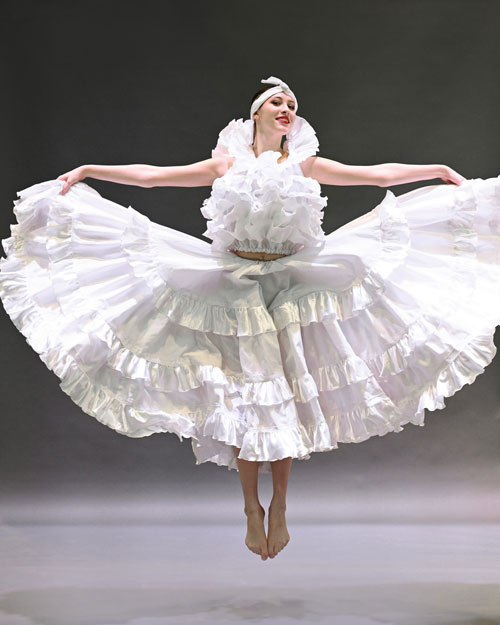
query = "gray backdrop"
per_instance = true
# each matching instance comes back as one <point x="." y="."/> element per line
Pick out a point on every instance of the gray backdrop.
<point x="154" y="82"/>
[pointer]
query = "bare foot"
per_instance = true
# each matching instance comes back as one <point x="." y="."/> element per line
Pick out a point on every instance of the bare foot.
<point x="277" y="532"/>
<point x="256" y="534"/>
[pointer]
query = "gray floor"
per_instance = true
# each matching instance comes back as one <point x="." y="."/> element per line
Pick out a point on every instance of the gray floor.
<point x="339" y="573"/>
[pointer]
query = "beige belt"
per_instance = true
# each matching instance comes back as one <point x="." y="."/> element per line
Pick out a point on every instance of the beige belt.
<point x="258" y="255"/>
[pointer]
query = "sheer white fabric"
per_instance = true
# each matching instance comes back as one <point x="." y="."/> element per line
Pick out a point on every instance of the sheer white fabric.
<point x="152" y="330"/>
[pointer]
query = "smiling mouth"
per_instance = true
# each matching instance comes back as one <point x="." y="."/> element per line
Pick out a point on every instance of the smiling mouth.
<point x="283" y="119"/>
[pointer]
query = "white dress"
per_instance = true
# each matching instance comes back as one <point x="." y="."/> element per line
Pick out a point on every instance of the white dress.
<point x="353" y="334"/>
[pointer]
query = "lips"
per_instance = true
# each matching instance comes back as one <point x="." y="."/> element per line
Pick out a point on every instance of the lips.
<point x="284" y="119"/>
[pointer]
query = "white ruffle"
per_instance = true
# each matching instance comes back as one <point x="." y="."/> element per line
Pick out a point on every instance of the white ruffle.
<point x="261" y="205"/>
<point x="150" y="332"/>
<point x="264" y="211"/>
<point x="235" y="140"/>
<point x="319" y="305"/>
<point x="268" y="209"/>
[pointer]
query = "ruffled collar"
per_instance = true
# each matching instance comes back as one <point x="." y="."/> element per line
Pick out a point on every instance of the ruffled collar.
<point x="236" y="140"/>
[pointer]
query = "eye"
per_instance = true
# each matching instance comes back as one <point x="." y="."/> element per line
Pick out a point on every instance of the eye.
<point x="292" y="106"/>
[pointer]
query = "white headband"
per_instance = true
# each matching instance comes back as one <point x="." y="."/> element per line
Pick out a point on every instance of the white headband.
<point x="280" y="86"/>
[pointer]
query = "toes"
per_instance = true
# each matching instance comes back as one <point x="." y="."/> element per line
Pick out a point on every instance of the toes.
<point x="260" y="551"/>
<point x="264" y="551"/>
<point x="275" y="549"/>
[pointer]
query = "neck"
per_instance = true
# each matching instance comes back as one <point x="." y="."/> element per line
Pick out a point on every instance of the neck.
<point x="263" y="144"/>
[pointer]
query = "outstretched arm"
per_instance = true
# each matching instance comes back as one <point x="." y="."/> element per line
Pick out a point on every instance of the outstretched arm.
<point x="327" y="171"/>
<point x="199" y="174"/>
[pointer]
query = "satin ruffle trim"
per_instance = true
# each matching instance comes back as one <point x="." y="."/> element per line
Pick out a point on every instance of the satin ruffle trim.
<point x="222" y="426"/>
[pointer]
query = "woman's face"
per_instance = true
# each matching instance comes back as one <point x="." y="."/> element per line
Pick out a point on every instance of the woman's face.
<point x="277" y="113"/>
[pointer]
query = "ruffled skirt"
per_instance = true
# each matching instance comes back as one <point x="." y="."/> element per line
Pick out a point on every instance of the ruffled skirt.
<point x="150" y="330"/>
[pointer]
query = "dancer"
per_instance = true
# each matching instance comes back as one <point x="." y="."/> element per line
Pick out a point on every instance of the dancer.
<point x="275" y="340"/>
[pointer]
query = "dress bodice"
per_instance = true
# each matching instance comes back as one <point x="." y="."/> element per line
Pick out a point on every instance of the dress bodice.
<point x="260" y="204"/>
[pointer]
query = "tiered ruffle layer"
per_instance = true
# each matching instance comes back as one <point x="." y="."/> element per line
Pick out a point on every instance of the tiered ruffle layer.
<point x="152" y="330"/>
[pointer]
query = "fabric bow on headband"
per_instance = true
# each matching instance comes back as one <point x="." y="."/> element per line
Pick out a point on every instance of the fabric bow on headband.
<point x="280" y="86"/>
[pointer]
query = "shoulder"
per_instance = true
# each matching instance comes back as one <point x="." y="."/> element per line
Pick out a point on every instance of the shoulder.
<point x="307" y="165"/>
<point x="222" y="164"/>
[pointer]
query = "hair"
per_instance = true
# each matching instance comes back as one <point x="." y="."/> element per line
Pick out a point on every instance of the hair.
<point x="255" y="96"/>
<point x="259" y="92"/>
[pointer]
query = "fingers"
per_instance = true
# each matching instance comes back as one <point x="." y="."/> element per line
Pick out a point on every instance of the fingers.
<point x="65" y="188"/>
<point x="64" y="178"/>
<point x="68" y="182"/>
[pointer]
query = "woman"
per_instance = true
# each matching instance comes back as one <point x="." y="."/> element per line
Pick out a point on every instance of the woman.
<point x="275" y="340"/>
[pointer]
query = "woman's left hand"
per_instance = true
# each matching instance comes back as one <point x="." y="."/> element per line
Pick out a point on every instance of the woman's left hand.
<point x="71" y="177"/>
<point x="450" y="176"/>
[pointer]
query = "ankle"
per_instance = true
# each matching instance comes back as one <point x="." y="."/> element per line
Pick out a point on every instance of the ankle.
<point x="253" y="508"/>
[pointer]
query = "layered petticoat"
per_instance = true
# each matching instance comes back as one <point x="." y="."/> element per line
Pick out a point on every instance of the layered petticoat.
<point x="151" y="330"/>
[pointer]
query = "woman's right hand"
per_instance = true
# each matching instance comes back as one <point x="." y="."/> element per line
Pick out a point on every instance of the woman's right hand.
<point x="70" y="177"/>
<point x="450" y="176"/>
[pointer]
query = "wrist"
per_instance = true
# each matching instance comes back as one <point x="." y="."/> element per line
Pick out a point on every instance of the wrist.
<point x="85" y="171"/>
<point x="440" y="171"/>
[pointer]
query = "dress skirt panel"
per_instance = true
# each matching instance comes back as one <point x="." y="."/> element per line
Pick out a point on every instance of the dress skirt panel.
<point x="151" y="330"/>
